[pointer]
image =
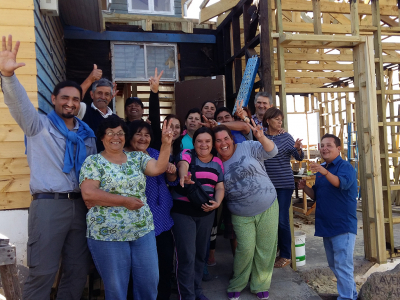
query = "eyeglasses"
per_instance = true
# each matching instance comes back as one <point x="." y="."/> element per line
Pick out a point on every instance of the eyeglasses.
<point x="119" y="133"/>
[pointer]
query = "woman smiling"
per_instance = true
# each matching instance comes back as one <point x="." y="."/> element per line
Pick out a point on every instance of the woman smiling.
<point x="251" y="198"/>
<point x="120" y="229"/>
<point x="192" y="225"/>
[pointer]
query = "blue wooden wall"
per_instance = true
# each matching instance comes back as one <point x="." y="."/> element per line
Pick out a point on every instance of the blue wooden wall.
<point x="121" y="7"/>
<point x="50" y="56"/>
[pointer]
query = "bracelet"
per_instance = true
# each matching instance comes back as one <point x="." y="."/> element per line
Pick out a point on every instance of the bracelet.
<point x="246" y="118"/>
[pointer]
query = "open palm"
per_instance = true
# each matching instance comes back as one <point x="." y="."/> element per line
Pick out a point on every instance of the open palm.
<point x="8" y="57"/>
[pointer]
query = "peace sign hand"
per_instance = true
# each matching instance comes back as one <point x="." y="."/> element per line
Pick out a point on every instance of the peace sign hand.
<point x="258" y="130"/>
<point x="155" y="81"/>
<point x="210" y="123"/>
<point x="8" y="57"/>
<point x="239" y="110"/>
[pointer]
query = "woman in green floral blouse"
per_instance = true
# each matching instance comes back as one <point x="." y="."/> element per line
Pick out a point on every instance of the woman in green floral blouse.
<point x="120" y="230"/>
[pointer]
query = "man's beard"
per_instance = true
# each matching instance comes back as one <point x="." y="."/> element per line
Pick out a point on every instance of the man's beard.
<point x="67" y="116"/>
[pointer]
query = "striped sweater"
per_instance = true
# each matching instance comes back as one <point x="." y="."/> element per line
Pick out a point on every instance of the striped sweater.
<point x="278" y="168"/>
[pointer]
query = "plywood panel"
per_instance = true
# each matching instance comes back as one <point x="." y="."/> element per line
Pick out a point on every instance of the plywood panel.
<point x="19" y="33"/>
<point x="15" y="200"/>
<point x="14" y="166"/>
<point x="11" y="133"/>
<point x="6" y="117"/>
<point x="11" y="17"/>
<point x="12" y="150"/>
<point x="17" y="4"/>
<point x="14" y="183"/>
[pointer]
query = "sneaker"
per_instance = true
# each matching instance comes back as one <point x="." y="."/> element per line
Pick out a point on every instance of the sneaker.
<point x="233" y="295"/>
<point x="202" y="297"/>
<point x="263" y="295"/>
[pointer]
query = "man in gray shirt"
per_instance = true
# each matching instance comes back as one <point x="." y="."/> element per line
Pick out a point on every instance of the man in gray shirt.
<point x="56" y="145"/>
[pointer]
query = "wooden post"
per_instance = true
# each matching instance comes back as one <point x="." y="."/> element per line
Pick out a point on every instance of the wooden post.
<point x="369" y="152"/>
<point x="267" y="53"/>
<point x="281" y="64"/>
<point x="317" y="16"/>
<point x="381" y="110"/>
<point x="8" y="270"/>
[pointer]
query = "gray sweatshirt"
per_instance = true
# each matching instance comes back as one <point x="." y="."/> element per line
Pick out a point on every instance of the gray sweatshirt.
<point x="45" y="144"/>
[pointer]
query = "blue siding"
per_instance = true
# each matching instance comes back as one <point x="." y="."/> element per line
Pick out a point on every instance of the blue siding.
<point x="121" y="7"/>
<point x="50" y="56"/>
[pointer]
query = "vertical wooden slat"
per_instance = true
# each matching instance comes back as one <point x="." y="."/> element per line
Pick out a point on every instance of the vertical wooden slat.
<point x="267" y="53"/>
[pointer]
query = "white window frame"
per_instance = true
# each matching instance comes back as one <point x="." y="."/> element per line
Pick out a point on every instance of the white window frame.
<point x="151" y="9"/>
<point x="147" y="76"/>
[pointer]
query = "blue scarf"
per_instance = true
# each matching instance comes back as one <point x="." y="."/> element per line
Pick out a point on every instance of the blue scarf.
<point x="73" y="138"/>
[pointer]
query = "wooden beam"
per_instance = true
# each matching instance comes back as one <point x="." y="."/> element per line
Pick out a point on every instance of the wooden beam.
<point x="216" y="9"/>
<point x="203" y="4"/>
<point x="318" y="90"/>
<point x="318" y="67"/>
<point x="319" y="74"/>
<point x="266" y="53"/>
<point x="317" y="16"/>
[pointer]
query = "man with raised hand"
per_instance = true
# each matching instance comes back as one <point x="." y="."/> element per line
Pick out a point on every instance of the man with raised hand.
<point x="57" y="145"/>
<point x="335" y="192"/>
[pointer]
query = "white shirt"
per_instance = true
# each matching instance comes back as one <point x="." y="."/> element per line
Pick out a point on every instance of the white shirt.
<point x="82" y="111"/>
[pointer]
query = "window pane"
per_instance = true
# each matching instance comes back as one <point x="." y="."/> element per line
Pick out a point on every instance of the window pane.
<point x="162" y="5"/>
<point x="140" y="4"/>
<point x="129" y="61"/>
<point x="162" y="57"/>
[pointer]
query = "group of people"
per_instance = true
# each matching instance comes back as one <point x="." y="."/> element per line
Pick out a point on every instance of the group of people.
<point x="119" y="190"/>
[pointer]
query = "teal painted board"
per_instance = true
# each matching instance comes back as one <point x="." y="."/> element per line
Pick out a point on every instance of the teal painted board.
<point x="249" y="76"/>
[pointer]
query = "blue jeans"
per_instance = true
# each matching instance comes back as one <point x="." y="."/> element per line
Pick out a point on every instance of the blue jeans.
<point x="284" y="235"/>
<point x="339" y="252"/>
<point x="115" y="260"/>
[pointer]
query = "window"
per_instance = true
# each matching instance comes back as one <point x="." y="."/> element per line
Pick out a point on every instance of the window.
<point x="162" y="7"/>
<point x="137" y="61"/>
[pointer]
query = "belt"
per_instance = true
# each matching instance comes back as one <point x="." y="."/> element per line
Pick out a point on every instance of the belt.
<point x="57" y="196"/>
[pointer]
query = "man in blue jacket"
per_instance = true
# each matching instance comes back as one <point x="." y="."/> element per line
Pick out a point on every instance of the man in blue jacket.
<point x="335" y="191"/>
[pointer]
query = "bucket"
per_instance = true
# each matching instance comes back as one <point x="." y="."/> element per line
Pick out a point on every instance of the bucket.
<point x="300" y="243"/>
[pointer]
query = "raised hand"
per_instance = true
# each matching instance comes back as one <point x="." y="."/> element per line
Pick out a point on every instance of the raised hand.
<point x="239" y="110"/>
<point x="155" y="81"/>
<point x="114" y="91"/>
<point x="298" y="145"/>
<point x="210" y="123"/>
<point x="96" y="74"/>
<point x="166" y="137"/>
<point x="258" y="130"/>
<point x="8" y="57"/>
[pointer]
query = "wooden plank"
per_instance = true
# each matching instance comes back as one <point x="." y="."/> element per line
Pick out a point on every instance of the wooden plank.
<point x="266" y="51"/>
<point x="14" y="183"/>
<point x="9" y="273"/>
<point x="15" y="200"/>
<point x="204" y="4"/>
<point x="28" y="82"/>
<point x="216" y="9"/>
<point x="11" y="133"/>
<point x="18" y="4"/>
<point x="318" y="67"/>
<point x="28" y="69"/>
<point x="6" y="118"/>
<point x="123" y="18"/>
<point x="319" y="74"/>
<point x="12" y="150"/>
<point x="12" y="17"/>
<point x="318" y="57"/>
<point x="19" y="33"/>
<point x="14" y="166"/>
<point x="317" y="90"/>
<point x="26" y="51"/>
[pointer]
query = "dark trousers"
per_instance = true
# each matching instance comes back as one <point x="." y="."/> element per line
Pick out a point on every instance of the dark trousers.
<point x="191" y="236"/>
<point x="56" y="228"/>
<point x="165" y="250"/>
<point x="284" y="235"/>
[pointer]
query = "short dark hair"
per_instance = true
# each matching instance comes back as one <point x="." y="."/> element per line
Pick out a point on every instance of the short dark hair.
<point x="220" y="128"/>
<point x="271" y="113"/>
<point x="193" y="111"/>
<point x="131" y="100"/>
<point x="337" y="141"/>
<point x="66" y="83"/>
<point x="205" y="102"/>
<point x="137" y="126"/>
<point x="204" y="130"/>
<point x="220" y="110"/>
<point x="264" y="94"/>
<point x="112" y="121"/>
